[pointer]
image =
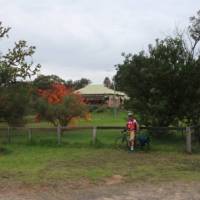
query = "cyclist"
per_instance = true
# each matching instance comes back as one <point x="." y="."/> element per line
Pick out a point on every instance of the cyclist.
<point x="132" y="127"/>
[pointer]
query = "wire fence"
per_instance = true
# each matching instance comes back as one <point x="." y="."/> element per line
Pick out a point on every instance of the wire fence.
<point x="164" y="137"/>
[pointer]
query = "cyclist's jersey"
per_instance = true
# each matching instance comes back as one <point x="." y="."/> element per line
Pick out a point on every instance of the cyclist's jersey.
<point x="132" y="125"/>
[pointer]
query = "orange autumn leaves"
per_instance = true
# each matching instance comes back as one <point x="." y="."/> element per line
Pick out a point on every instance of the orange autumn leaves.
<point x="56" y="93"/>
<point x="63" y="105"/>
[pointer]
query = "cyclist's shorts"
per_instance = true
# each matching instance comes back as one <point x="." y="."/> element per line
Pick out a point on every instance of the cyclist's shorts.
<point x="132" y="135"/>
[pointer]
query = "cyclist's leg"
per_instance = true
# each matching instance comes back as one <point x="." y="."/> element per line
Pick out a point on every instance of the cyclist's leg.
<point x="128" y="140"/>
<point x="132" y="139"/>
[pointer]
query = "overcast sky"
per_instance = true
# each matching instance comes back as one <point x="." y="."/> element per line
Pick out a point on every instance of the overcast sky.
<point x="85" y="38"/>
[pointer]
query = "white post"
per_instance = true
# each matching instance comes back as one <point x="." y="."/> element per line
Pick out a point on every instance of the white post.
<point x="188" y="140"/>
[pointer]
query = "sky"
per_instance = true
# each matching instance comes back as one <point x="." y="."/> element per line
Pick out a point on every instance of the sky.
<point x="85" y="38"/>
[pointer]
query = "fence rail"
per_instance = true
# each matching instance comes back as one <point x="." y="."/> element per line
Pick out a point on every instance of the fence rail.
<point x="61" y="130"/>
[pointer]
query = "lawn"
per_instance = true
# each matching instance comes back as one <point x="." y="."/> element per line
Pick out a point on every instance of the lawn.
<point x="101" y="118"/>
<point x="44" y="164"/>
<point x="42" y="161"/>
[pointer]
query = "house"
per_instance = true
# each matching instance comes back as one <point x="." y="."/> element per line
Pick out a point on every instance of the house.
<point x="101" y="95"/>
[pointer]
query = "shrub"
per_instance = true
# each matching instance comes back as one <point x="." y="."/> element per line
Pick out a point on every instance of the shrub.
<point x="59" y="105"/>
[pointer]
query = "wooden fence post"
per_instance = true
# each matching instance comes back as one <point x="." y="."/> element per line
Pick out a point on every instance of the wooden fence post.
<point x="59" y="134"/>
<point x="9" y="136"/>
<point x="188" y="140"/>
<point x="30" y="134"/>
<point x="94" y="134"/>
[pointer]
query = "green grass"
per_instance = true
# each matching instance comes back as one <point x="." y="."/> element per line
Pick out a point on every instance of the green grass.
<point x="45" y="162"/>
<point x="106" y="118"/>
<point x="51" y="164"/>
<point x="102" y="118"/>
<point x="42" y="161"/>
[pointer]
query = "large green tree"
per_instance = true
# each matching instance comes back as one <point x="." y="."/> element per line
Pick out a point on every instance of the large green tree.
<point x="164" y="83"/>
<point x="16" y="65"/>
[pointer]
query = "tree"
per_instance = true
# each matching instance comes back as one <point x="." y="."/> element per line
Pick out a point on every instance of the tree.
<point x="15" y="68"/>
<point x="80" y="83"/>
<point x="163" y="84"/>
<point x="194" y="30"/>
<point x="107" y="82"/>
<point x="59" y="105"/>
<point x="46" y="81"/>
<point x="13" y="64"/>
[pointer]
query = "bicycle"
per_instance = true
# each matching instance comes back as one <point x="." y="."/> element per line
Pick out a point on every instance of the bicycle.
<point x="141" y="141"/>
<point x="122" y="141"/>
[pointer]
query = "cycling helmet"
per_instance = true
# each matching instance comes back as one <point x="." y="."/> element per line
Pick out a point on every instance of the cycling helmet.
<point x="130" y="113"/>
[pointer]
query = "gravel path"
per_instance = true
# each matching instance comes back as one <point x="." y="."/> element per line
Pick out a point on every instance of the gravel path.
<point x="143" y="191"/>
<point x="164" y="191"/>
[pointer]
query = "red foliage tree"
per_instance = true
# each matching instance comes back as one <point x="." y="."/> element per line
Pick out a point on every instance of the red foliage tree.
<point x="60" y="105"/>
<point x="55" y="94"/>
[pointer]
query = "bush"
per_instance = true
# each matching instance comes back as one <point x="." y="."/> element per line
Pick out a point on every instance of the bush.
<point x="14" y="102"/>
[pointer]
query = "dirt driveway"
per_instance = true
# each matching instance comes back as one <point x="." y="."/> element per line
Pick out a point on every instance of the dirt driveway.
<point x="164" y="191"/>
<point x="142" y="191"/>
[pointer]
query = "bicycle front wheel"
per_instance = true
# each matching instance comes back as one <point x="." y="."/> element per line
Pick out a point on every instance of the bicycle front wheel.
<point x="121" y="143"/>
